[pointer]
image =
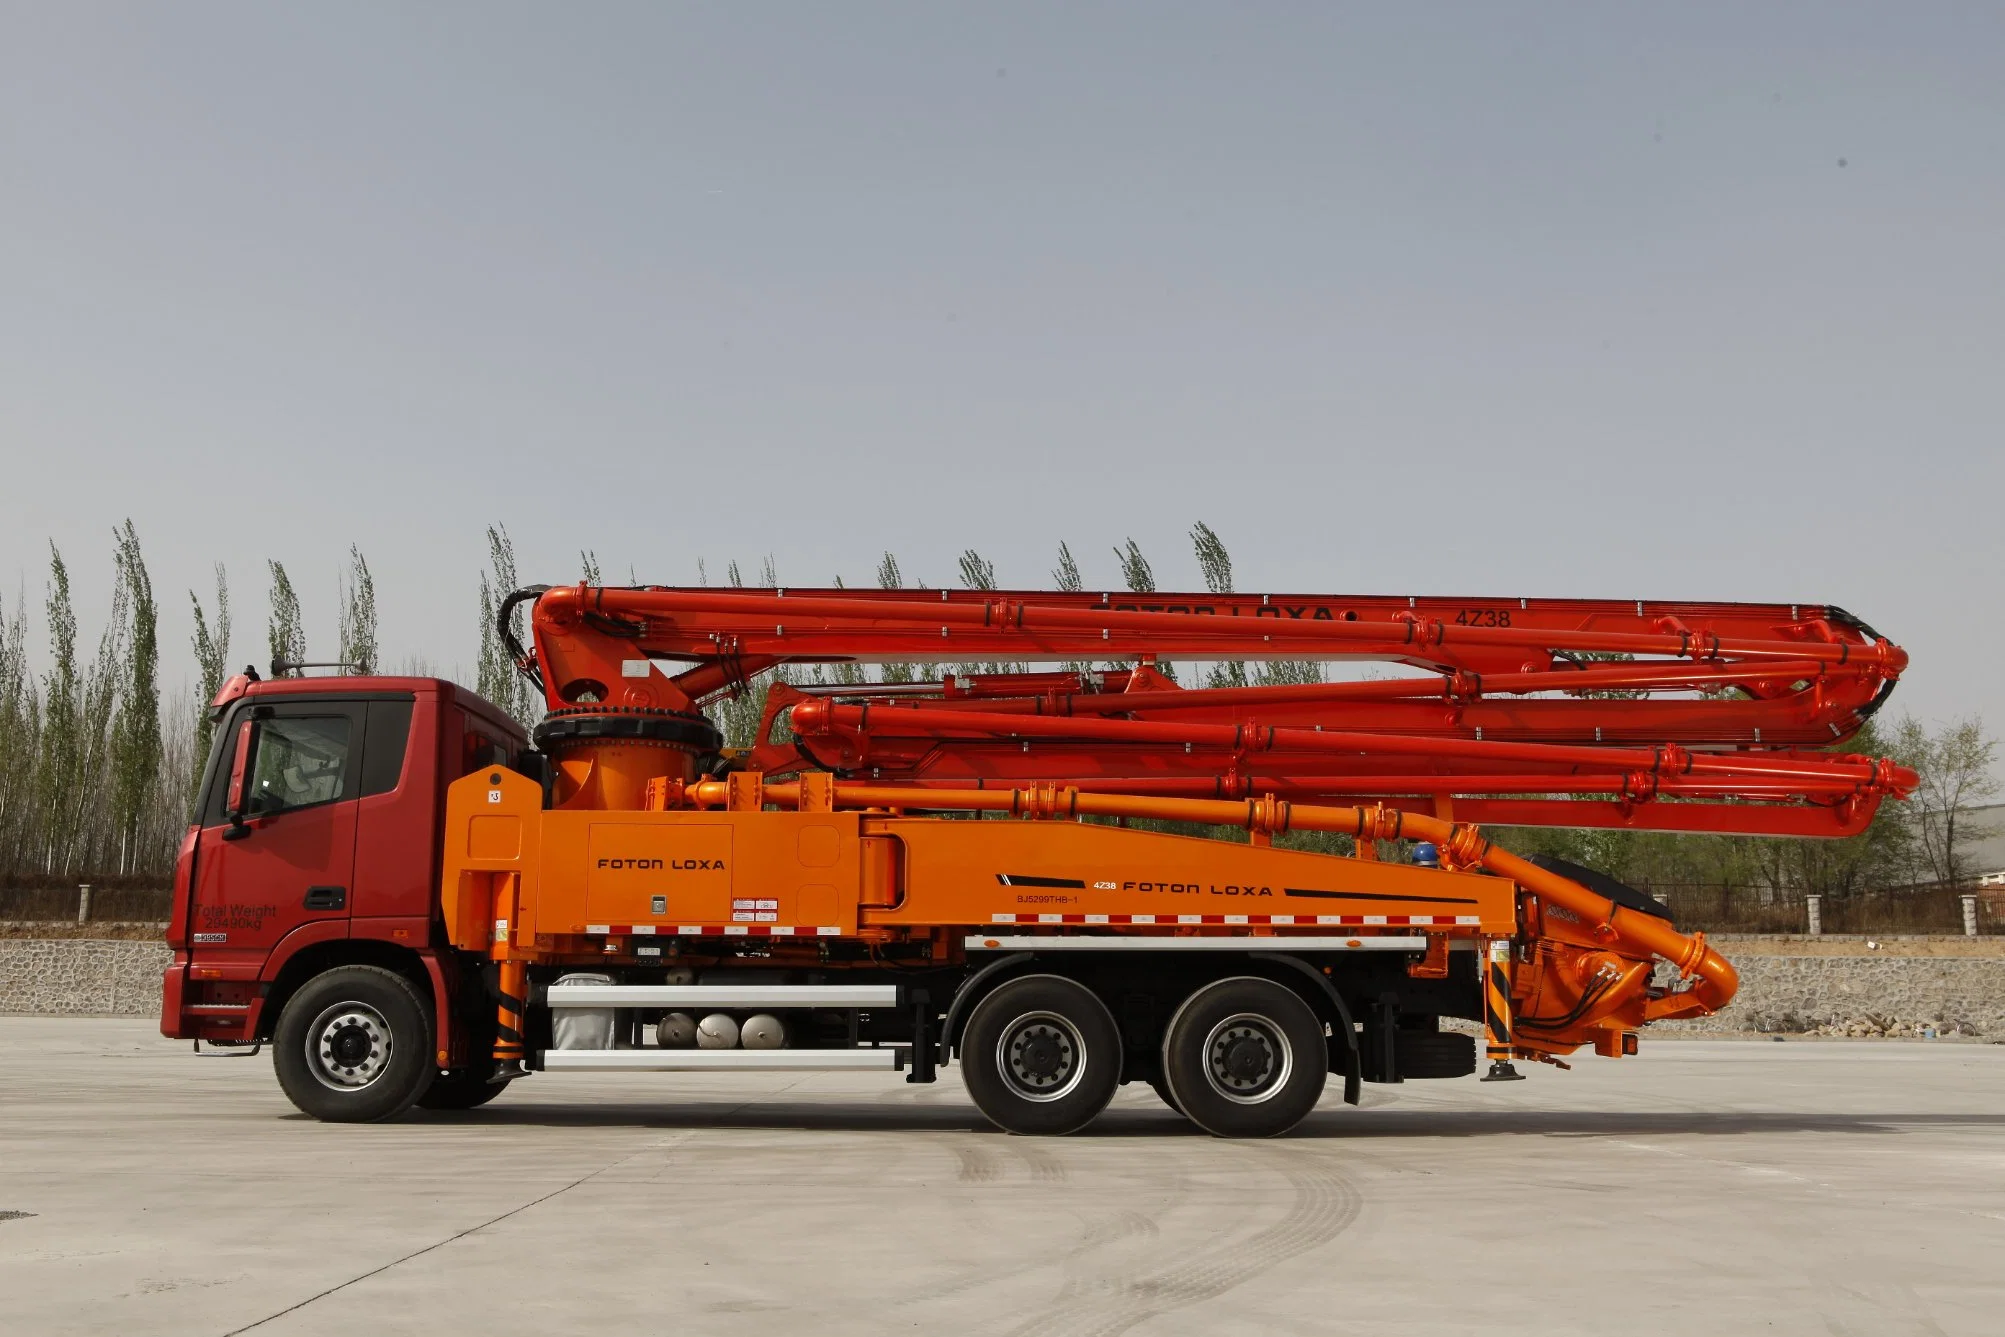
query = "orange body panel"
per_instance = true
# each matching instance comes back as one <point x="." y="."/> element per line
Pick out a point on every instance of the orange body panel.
<point x="639" y="873"/>
<point x="961" y="872"/>
<point x="653" y="872"/>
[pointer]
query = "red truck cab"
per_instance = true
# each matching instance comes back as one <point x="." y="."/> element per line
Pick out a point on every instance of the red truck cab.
<point x="316" y="844"/>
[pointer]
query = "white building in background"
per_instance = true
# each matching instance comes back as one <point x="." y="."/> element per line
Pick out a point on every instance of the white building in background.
<point x="1984" y="856"/>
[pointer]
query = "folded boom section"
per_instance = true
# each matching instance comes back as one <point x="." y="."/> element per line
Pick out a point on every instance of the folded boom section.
<point x="1648" y="715"/>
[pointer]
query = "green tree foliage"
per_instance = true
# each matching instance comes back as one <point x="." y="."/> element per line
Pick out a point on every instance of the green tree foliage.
<point x="496" y="676"/>
<point x="588" y="564"/>
<point x="977" y="572"/>
<point x="73" y="756"/>
<point x="59" y="765"/>
<point x="211" y="643"/>
<point x="1136" y="573"/>
<point x="358" y="616"/>
<point x="1065" y="576"/>
<point x="1140" y="578"/>
<point x="136" y="743"/>
<point x="285" y="633"/>
<point x="91" y="785"/>
<point x="20" y="741"/>
<point x="889" y="577"/>
<point x="1955" y="765"/>
<point x="1215" y="564"/>
<point x="737" y="715"/>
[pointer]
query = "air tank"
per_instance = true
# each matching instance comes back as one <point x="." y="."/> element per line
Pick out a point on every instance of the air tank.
<point x="763" y="1031"/>
<point x="717" y="1031"/>
<point x="675" y="1030"/>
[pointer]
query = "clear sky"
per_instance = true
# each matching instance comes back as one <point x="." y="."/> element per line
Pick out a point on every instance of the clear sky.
<point x="1672" y="302"/>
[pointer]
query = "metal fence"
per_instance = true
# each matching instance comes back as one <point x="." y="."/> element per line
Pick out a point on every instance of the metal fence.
<point x="72" y="904"/>
<point x="1892" y="910"/>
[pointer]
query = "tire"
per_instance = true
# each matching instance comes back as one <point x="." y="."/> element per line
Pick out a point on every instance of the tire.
<point x="1041" y="1055"/>
<point x="1435" y="1054"/>
<point x="1162" y="1090"/>
<point x="1245" y="1057"/>
<point x="460" y="1089"/>
<point x="355" y="1046"/>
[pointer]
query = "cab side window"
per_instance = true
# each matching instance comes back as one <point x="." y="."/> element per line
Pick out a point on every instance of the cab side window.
<point x="300" y="761"/>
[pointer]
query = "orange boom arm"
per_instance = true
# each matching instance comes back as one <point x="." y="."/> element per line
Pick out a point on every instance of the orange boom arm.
<point x="1666" y="716"/>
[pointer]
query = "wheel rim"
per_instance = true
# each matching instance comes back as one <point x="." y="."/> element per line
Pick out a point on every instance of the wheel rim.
<point x="1041" y="1056"/>
<point x="1247" y="1058"/>
<point x="348" y="1046"/>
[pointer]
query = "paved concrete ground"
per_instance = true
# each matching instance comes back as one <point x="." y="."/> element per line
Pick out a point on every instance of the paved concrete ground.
<point x="1808" y="1187"/>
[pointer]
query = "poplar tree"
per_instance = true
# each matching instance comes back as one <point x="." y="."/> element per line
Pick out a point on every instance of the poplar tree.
<point x="358" y="616"/>
<point x="978" y="573"/>
<point x="135" y="742"/>
<point x="284" y="634"/>
<point x="57" y="763"/>
<point x="1215" y="564"/>
<point x="737" y="716"/>
<point x="497" y="677"/>
<point x="211" y="643"/>
<point x="1136" y="573"/>
<point x="94" y="839"/>
<point x="847" y="672"/>
<point x="1066" y="577"/>
<point x="1066" y="574"/>
<point x="890" y="578"/>
<point x="20" y="737"/>
<point x="1140" y="578"/>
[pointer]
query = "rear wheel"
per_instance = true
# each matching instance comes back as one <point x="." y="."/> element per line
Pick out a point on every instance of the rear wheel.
<point x="1041" y="1055"/>
<point x="354" y="1045"/>
<point x="1245" y="1057"/>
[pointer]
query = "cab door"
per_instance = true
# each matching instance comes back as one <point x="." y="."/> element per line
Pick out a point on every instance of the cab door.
<point x="287" y="857"/>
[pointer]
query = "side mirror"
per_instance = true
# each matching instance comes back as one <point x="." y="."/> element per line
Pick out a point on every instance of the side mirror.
<point x="240" y="781"/>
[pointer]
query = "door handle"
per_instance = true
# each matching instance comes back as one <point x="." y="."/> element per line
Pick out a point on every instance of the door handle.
<point x="327" y="898"/>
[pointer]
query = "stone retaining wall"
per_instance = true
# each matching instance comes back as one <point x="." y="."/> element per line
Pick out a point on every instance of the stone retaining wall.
<point x="1862" y="995"/>
<point x="1843" y="995"/>
<point x="81" y="976"/>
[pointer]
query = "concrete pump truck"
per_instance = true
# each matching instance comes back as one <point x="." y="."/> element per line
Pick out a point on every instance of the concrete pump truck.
<point x="1047" y="861"/>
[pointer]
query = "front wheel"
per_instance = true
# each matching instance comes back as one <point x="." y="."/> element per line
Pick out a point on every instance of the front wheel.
<point x="354" y="1045"/>
<point x="1245" y="1057"/>
<point x="1041" y="1055"/>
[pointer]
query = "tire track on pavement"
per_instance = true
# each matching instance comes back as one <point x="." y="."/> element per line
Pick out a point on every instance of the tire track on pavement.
<point x="1102" y="1304"/>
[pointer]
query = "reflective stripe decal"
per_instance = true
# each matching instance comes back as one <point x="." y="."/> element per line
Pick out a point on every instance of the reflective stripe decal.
<point x="711" y="930"/>
<point x="1360" y="921"/>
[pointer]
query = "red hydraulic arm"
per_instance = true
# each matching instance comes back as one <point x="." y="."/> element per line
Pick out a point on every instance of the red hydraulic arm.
<point x="1651" y="715"/>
